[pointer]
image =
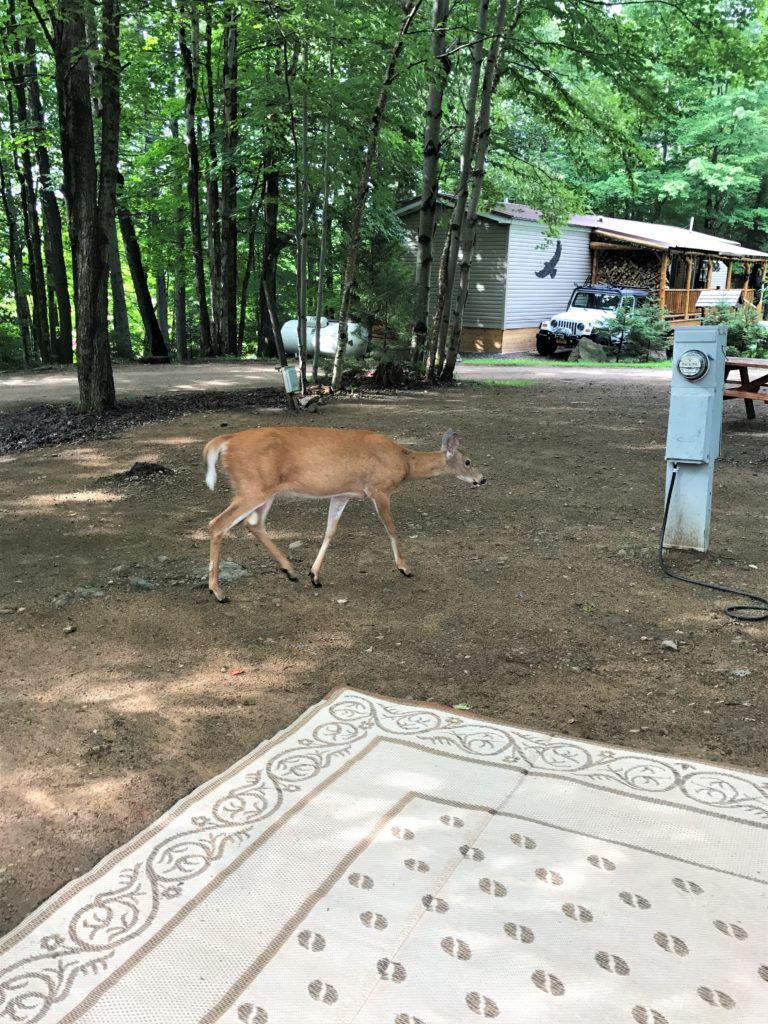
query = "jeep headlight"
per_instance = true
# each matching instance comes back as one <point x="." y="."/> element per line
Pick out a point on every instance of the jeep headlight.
<point x="579" y="328"/>
<point x="553" y="323"/>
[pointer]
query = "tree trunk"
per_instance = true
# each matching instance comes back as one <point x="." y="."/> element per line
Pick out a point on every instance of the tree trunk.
<point x="180" y="312"/>
<point x="54" y="242"/>
<point x="449" y="255"/>
<point x="213" y="216"/>
<point x="272" y="314"/>
<point x="23" y="167"/>
<point x="493" y="71"/>
<point x="440" y="71"/>
<point x="121" y="328"/>
<point x="90" y="193"/>
<point x="179" y="274"/>
<point x="16" y="265"/>
<point x="324" y="233"/>
<point x="270" y="341"/>
<point x="229" y="190"/>
<point x="161" y="292"/>
<point x="353" y="241"/>
<point x="190" y="64"/>
<point x="247" y="272"/>
<point x="154" y="342"/>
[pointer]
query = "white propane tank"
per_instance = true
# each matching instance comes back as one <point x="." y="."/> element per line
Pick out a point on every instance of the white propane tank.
<point x="329" y="336"/>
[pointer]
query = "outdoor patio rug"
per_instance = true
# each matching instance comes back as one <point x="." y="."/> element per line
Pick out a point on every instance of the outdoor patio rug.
<point x="388" y="863"/>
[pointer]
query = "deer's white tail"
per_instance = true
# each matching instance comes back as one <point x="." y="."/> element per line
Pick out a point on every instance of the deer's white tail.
<point x="211" y="454"/>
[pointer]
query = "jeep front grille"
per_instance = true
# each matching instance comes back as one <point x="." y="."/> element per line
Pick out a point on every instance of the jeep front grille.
<point x="566" y="326"/>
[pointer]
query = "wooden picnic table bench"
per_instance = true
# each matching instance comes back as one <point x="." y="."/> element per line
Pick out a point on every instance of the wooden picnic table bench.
<point x="748" y="388"/>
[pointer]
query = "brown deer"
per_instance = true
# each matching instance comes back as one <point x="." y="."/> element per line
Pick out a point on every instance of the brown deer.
<point x="317" y="462"/>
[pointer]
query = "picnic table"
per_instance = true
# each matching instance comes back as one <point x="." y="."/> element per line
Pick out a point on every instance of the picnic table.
<point x="748" y="387"/>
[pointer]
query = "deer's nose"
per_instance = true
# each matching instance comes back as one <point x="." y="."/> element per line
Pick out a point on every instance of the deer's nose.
<point x="480" y="481"/>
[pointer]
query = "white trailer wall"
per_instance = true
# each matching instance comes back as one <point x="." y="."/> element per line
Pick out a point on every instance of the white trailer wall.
<point x="487" y="279"/>
<point x="529" y="298"/>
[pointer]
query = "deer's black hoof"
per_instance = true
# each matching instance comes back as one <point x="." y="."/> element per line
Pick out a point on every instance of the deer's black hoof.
<point x="291" y="575"/>
<point x="222" y="599"/>
<point x="407" y="573"/>
<point x="315" y="581"/>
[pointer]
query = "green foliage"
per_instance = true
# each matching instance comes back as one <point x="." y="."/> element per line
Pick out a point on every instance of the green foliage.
<point x="746" y="335"/>
<point x="11" y="352"/>
<point x="644" y="329"/>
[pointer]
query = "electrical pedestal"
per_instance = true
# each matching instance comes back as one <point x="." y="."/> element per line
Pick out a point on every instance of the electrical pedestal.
<point x="693" y="433"/>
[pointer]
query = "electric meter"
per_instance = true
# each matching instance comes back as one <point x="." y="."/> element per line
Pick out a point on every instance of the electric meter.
<point x="693" y="364"/>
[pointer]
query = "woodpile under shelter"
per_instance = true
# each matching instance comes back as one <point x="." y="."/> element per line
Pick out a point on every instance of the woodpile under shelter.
<point x="521" y="275"/>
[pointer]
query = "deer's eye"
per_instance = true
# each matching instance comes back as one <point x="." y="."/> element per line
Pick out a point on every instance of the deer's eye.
<point x="467" y="462"/>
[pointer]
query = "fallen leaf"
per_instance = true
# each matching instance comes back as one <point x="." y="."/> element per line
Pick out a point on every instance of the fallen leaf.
<point x="237" y="671"/>
<point x="462" y="707"/>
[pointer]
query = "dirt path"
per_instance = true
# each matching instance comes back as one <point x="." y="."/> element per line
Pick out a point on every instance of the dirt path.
<point x="20" y="389"/>
<point x="132" y="381"/>
<point x="536" y="599"/>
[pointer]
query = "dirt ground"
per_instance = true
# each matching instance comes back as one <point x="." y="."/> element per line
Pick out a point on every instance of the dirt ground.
<point x="536" y="599"/>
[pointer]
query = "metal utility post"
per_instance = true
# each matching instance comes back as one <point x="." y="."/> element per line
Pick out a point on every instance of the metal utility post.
<point x="693" y="433"/>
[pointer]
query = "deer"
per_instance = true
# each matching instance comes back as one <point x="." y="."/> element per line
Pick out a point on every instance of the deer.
<point x="317" y="462"/>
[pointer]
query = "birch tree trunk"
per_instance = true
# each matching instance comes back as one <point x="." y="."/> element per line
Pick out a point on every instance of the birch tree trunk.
<point x="493" y="71"/>
<point x="61" y="339"/>
<point x="353" y="240"/>
<point x="447" y="271"/>
<point x="439" y="72"/>
<point x="213" y="205"/>
<point x="16" y="264"/>
<point x="324" y="233"/>
<point x="180" y="274"/>
<point x="190" y="66"/>
<point x="229" y="190"/>
<point x="23" y="168"/>
<point x="302" y="214"/>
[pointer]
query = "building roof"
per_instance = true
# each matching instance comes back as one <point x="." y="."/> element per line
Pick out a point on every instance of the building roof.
<point x="447" y="200"/>
<point x="656" y="236"/>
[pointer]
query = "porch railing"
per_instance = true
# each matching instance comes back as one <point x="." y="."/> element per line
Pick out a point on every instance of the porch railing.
<point x="680" y="303"/>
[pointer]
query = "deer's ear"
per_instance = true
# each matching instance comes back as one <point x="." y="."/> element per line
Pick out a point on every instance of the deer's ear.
<point x="450" y="442"/>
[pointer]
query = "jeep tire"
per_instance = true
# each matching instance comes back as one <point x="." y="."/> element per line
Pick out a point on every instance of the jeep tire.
<point x="546" y="346"/>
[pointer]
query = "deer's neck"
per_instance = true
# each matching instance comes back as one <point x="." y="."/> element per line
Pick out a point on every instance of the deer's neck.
<point x="424" y="464"/>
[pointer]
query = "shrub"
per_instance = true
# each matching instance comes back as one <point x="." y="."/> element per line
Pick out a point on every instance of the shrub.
<point x="746" y="335"/>
<point x="644" y="329"/>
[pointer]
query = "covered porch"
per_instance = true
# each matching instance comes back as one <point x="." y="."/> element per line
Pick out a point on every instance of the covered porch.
<point x="677" y="265"/>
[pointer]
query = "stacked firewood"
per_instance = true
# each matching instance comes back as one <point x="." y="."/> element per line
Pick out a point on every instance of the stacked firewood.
<point x="628" y="269"/>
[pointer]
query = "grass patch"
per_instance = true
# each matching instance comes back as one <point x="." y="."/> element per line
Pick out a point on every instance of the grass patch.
<point x="662" y="364"/>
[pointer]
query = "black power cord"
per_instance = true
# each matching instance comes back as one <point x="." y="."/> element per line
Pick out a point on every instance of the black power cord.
<point x="741" y="612"/>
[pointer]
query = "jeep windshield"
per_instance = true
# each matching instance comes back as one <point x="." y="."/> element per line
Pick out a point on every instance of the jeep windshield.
<point x="592" y="300"/>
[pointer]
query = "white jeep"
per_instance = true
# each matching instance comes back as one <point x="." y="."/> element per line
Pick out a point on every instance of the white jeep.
<point x="589" y="315"/>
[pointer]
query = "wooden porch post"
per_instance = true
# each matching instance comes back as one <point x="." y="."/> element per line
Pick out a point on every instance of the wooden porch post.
<point x="689" y="260"/>
<point x="728" y="275"/>
<point x="745" y="286"/>
<point x="663" y="278"/>
<point x="709" y="274"/>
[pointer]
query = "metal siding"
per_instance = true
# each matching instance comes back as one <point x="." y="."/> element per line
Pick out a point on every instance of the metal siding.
<point x="531" y="299"/>
<point x="487" y="279"/>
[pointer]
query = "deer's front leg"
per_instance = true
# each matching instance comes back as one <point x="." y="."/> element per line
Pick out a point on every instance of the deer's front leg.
<point x="381" y="504"/>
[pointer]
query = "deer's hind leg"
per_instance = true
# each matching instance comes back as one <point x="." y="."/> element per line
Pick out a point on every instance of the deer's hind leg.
<point x="336" y="507"/>
<point x="231" y="516"/>
<point x="256" y="524"/>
